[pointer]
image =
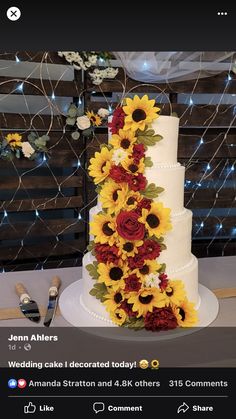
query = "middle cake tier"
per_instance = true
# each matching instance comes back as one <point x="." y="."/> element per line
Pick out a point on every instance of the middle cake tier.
<point x="177" y="241"/>
<point x="169" y="177"/>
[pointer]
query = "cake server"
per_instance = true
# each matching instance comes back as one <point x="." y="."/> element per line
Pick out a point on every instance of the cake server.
<point x="53" y="299"/>
<point x="28" y="306"/>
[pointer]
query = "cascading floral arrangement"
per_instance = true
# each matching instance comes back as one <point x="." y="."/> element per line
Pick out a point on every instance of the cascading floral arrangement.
<point x="129" y="231"/>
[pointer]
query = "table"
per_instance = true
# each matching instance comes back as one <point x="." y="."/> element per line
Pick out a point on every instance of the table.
<point x="216" y="272"/>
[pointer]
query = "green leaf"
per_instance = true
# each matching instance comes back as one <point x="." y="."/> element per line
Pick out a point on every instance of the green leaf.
<point x="75" y="135"/>
<point x="45" y="138"/>
<point x="152" y="191"/>
<point x="70" y="121"/>
<point x="32" y="137"/>
<point x="158" y="239"/>
<point x="108" y="146"/>
<point x="99" y="291"/>
<point x="148" y="137"/>
<point x="92" y="270"/>
<point x="17" y="153"/>
<point x="87" y="132"/>
<point x="72" y="111"/>
<point x="40" y="142"/>
<point x="148" y="162"/>
<point x="162" y="268"/>
<point x="135" y="324"/>
<point x="163" y="246"/>
<point x="91" y="245"/>
<point x="99" y="188"/>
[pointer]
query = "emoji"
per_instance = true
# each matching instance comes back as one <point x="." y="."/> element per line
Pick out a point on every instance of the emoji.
<point x="155" y="364"/>
<point x="22" y="383"/>
<point x="143" y="364"/>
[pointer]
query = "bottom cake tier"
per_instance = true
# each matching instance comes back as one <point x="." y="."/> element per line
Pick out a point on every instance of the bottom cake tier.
<point x="188" y="274"/>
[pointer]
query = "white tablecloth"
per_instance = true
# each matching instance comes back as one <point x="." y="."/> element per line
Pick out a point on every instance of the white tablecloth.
<point x="213" y="272"/>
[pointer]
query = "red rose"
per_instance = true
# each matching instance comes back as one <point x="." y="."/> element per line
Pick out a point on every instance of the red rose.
<point x="137" y="183"/>
<point x="118" y="174"/>
<point x="136" y="262"/>
<point x="164" y="281"/>
<point x="128" y="308"/>
<point x="117" y="122"/>
<point x="138" y="152"/>
<point x="129" y="227"/>
<point x="160" y="319"/>
<point x="144" y="203"/>
<point x="132" y="283"/>
<point x="150" y="249"/>
<point x="105" y="253"/>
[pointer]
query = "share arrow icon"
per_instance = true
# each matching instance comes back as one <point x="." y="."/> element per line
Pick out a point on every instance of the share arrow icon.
<point x="183" y="408"/>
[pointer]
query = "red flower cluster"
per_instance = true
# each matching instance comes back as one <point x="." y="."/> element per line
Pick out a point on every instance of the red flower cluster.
<point x="136" y="262"/>
<point x="117" y="120"/>
<point x="129" y="227"/>
<point x="132" y="283"/>
<point x="164" y="281"/>
<point x="160" y="319"/>
<point x="128" y="308"/>
<point x="138" y="152"/>
<point x="137" y="183"/>
<point x="144" y="203"/>
<point x="150" y="249"/>
<point x="106" y="254"/>
<point x="119" y="174"/>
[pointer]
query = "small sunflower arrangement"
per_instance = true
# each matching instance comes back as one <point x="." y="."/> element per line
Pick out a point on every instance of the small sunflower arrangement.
<point x="84" y="123"/>
<point x="128" y="234"/>
<point x="18" y="145"/>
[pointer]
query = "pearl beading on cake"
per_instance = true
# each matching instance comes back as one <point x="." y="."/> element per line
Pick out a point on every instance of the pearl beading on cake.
<point x="93" y="314"/>
<point x="181" y="268"/>
<point x="166" y="165"/>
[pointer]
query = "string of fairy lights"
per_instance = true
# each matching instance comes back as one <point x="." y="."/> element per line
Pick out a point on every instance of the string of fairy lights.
<point x="221" y="170"/>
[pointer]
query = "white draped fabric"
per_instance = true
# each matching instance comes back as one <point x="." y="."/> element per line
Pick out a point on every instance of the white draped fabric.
<point x="160" y="67"/>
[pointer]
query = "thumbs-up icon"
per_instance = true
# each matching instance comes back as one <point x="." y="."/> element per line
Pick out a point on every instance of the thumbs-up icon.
<point x="31" y="408"/>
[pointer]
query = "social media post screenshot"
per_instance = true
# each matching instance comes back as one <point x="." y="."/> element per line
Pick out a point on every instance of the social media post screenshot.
<point x="117" y="221"/>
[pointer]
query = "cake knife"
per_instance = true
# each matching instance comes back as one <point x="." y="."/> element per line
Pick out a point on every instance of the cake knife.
<point x="53" y="299"/>
<point x="28" y="306"/>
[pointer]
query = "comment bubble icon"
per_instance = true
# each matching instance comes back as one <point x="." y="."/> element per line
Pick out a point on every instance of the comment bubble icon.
<point x="98" y="407"/>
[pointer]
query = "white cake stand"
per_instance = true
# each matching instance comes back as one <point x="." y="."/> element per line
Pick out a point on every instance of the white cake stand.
<point x="73" y="310"/>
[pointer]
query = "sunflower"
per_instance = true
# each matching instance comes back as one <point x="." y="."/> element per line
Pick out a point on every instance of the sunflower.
<point x="132" y="200"/>
<point x="94" y="118"/>
<point x="128" y="248"/>
<point x="175" y="292"/>
<point x="113" y="299"/>
<point x="185" y="313"/>
<point x="112" y="275"/>
<point x="118" y="316"/>
<point x="103" y="228"/>
<point x="139" y="112"/>
<point x="14" y="140"/>
<point x="149" y="267"/>
<point x="145" y="300"/>
<point x="156" y="220"/>
<point x="100" y="165"/>
<point x="124" y="140"/>
<point x="113" y="195"/>
<point x="132" y="167"/>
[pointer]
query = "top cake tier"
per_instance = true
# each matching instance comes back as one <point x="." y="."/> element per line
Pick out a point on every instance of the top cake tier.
<point x="165" y="151"/>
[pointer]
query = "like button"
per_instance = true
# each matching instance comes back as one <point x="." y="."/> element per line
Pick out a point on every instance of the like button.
<point x="31" y="408"/>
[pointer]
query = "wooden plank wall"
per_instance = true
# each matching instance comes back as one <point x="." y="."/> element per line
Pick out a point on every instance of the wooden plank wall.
<point x="40" y="201"/>
<point x="207" y="148"/>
